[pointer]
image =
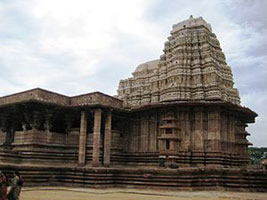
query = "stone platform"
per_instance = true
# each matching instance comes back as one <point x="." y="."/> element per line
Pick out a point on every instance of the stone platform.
<point x="68" y="193"/>
<point x="229" y="179"/>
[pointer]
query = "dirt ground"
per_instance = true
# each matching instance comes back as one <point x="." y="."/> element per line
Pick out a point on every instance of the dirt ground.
<point x="61" y="193"/>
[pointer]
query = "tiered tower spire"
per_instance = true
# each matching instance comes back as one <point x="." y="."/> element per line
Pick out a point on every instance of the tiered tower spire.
<point x="192" y="68"/>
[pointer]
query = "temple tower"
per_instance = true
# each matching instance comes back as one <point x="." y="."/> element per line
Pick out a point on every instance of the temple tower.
<point x="192" y="81"/>
<point x="192" y="68"/>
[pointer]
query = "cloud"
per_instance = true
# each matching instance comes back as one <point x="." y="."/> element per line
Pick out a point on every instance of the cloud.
<point x="80" y="46"/>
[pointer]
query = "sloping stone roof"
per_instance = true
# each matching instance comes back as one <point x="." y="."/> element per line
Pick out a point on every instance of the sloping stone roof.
<point x="45" y="96"/>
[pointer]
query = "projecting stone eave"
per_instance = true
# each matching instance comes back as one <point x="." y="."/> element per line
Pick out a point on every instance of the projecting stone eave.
<point x="97" y="99"/>
<point x="245" y="113"/>
<point x="35" y="95"/>
<point x="39" y="95"/>
<point x="97" y="93"/>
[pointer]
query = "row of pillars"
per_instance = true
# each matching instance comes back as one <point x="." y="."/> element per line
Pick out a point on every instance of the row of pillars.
<point x="96" y="139"/>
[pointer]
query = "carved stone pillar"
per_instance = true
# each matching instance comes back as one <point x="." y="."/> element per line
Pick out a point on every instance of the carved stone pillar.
<point x="214" y="130"/>
<point x="96" y="137"/>
<point x="199" y="132"/>
<point x="68" y="121"/>
<point x="6" y="127"/>
<point x="36" y="121"/>
<point x="3" y="123"/>
<point x="185" y="131"/>
<point x="82" y="141"/>
<point x="48" y="122"/>
<point x="27" y="122"/>
<point x="144" y="133"/>
<point x="153" y="132"/>
<point x="3" y="129"/>
<point x="224" y="131"/>
<point x="24" y="126"/>
<point x="107" y="140"/>
<point x="48" y="127"/>
<point x="231" y="133"/>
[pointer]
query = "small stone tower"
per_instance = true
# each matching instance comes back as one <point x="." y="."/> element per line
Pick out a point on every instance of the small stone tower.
<point x="170" y="138"/>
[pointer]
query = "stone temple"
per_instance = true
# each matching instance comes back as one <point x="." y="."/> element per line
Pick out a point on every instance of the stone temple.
<point x="177" y="122"/>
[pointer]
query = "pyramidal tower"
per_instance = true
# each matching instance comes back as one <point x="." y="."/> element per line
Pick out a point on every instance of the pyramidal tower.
<point x="192" y="68"/>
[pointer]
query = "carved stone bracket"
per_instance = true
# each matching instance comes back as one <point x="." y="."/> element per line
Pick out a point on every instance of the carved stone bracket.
<point x="48" y="122"/>
<point x="68" y="121"/>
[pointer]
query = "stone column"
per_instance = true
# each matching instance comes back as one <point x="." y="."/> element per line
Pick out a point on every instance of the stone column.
<point x="231" y="133"/>
<point x="48" y="123"/>
<point x="3" y="129"/>
<point x="198" y="136"/>
<point x="27" y="120"/>
<point x="7" y="127"/>
<point x="68" y="121"/>
<point x="36" y="121"/>
<point x="82" y="140"/>
<point x="96" y="137"/>
<point x="153" y="133"/>
<point x="107" y="140"/>
<point x="144" y="133"/>
<point x="48" y="127"/>
<point x="224" y="130"/>
<point x="214" y="129"/>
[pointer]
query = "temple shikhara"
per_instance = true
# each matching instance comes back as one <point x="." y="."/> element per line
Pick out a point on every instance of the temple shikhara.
<point x="177" y="122"/>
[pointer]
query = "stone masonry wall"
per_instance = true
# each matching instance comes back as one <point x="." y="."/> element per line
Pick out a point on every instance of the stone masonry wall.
<point x="210" y="131"/>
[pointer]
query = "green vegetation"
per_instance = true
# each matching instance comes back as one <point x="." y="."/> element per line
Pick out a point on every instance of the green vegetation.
<point x="257" y="154"/>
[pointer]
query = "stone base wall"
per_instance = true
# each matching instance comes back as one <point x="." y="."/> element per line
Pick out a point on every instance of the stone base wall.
<point x="185" y="159"/>
<point x="39" y="137"/>
<point x="53" y="138"/>
<point x="40" y="155"/>
<point x="141" y="159"/>
<point x="178" y="179"/>
<point x="40" y="147"/>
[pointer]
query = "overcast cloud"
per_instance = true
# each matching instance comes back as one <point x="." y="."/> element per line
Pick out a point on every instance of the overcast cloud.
<point x="79" y="46"/>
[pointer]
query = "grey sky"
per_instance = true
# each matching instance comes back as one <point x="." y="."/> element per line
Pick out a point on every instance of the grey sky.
<point x="80" y="46"/>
